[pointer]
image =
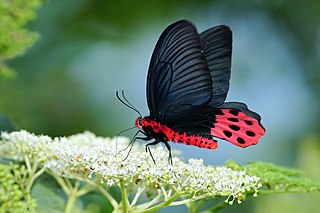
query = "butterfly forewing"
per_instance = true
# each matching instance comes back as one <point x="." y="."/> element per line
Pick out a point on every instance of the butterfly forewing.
<point x="178" y="75"/>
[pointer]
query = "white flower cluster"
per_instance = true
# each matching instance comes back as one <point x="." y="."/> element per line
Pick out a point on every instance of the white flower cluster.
<point x="21" y="144"/>
<point x="85" y="156"/>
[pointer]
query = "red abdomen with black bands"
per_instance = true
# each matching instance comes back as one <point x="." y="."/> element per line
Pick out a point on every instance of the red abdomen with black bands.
<point x="159" y="129"/>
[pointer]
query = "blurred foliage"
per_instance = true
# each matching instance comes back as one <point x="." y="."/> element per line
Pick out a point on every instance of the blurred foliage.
<point x="14" y="37"/>
<point x="6" y="124"/>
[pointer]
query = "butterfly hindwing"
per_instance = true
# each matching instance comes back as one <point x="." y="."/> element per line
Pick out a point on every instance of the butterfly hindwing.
<point x="217" y="46"/>
<point x="178" y="73"/>
<point x="233" y="122"/>
<point x="238" y="125"/>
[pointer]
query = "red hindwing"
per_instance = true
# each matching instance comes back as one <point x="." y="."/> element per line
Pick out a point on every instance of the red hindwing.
<point x="237" y="128"/>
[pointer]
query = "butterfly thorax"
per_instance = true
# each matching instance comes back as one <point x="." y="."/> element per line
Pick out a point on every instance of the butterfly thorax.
<point x="161" y="132"/>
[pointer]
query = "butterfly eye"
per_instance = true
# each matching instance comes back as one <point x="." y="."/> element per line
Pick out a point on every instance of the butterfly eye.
<point x="140" y="122"/>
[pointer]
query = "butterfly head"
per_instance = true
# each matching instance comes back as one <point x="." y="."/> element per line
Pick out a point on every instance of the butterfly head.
<point x="138" y="122"/>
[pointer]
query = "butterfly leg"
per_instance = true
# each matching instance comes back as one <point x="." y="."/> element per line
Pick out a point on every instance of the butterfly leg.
<point x="148" y="148"/>
<point x="134" y="139"/>
<point x="169" y="149"/>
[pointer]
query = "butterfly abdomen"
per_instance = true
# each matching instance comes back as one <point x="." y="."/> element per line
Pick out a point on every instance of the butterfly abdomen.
<point x="162" y="131"/>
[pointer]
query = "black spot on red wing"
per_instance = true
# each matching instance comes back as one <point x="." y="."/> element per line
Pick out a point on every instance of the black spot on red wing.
<point x="233" y="119"/>
<point x="227" y="133"/>
<point x="250" y="133"/>
<point x="234" y="112"/>
<point x="248" y="122"/>
<point x="218" y="112"/>
<point x="241" y="140"/>
<point x="234" y="127"/>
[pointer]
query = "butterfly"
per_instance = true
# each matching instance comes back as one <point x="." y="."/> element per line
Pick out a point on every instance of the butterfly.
<point x="187" y="84"/>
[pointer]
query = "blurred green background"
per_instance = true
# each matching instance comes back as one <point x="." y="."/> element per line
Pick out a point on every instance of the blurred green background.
<point x="66" y="82"/>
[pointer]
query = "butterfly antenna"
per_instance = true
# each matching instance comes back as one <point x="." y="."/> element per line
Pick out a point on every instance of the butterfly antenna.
<point x="120" y="134"/>
<point x="126" y="102"/>
<point x="133" y="107"/>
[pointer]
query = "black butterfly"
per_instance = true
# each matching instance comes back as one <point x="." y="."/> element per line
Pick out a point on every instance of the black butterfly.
<point x="187" y="84"/>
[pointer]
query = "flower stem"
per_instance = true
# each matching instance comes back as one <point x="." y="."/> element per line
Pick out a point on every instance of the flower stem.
<point x="162" y="205"/>
<point x="33" y="177"/>
<point x="85" y="189"/>
<point x="28" y="164"/>
<point x="72" y="196"/>
<point x="136" y="197"/>
<point x="186" y="201"/>
<point x="217" y="207"/>
<point x="112" y="201"/>
<point x="125" y="202"/>
<point x="61" y="182"/>
<point x="195" y="206"/>
<point x="146" y="205"/>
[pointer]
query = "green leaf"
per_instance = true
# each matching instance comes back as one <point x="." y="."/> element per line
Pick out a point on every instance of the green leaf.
<point x="47" y="198"/>
<point x="277" y="179"/>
